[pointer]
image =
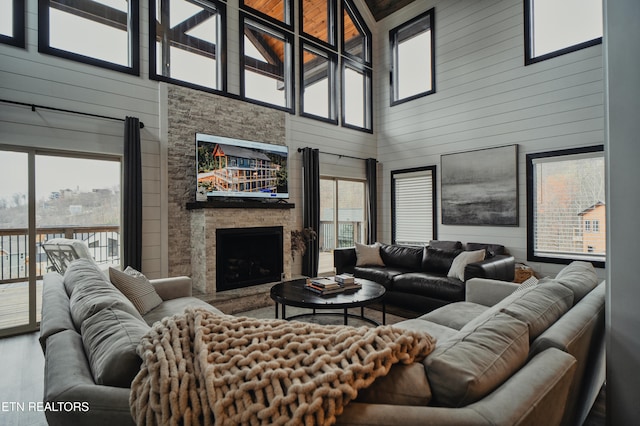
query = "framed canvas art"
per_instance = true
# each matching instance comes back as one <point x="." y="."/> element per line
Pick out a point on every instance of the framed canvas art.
<point x="480" y="187"/>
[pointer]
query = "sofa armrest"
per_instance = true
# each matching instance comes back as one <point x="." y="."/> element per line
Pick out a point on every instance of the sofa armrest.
<point x="172" y="288"/>
<point x="344" y="260"/>
<point x="488" y="292"/>
<point x="499" y="267"/>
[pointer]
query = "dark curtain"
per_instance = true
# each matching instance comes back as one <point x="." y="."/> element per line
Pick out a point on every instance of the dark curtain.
<point x="131" y="241"/>
<point x="371" y="169"/>
<point x="311" y="208"/>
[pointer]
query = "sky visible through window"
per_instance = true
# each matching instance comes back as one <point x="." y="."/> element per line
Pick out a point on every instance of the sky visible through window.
<point x="6" y="17"/>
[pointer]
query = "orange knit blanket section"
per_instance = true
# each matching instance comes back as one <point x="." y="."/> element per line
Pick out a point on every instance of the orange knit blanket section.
<point x="201" y="368"/>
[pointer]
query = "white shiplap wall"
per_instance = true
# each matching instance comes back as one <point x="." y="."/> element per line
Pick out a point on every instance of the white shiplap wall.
<point x="31" y="77"/>
<point x="485" y="97"/>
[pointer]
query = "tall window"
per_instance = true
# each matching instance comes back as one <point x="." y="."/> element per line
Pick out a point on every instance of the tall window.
<point x="317" y="20"/>
<point x="565" y="201"/>
<point x="187" y="42"/>
<point x="12" y="22"/>
<point x="412" y="59"/>
<point x="318" y="78"/>
<point x="103" y="33"/>
<point x="356" y="70"/>
<point x="342" y="217"/>
<point x="553" y="28"/>
<point x="413" y="206"/>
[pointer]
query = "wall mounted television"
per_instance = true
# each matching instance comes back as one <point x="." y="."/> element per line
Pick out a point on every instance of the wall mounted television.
<point x="229" y="167"/>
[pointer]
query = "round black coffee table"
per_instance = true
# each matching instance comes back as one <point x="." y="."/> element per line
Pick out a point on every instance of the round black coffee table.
<point x="293" y="293"/>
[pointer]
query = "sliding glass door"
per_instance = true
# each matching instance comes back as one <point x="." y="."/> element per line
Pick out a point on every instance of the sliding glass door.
<point x="45" y="195"/>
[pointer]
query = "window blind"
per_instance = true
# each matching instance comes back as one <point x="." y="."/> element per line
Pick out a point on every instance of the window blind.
<point x="413" y="211"/>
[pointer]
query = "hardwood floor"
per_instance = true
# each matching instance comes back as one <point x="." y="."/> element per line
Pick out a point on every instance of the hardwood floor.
<point x="22" y="381"/>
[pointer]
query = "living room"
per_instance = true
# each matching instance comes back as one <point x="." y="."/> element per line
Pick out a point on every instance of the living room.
<point x="484" y="97"/>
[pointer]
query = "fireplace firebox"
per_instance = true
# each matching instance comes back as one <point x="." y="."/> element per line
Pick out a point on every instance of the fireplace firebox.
<point x="248" y="256"/>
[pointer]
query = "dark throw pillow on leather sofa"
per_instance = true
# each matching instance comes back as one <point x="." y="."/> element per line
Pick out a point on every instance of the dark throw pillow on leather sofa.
<point x="437" y="260"/>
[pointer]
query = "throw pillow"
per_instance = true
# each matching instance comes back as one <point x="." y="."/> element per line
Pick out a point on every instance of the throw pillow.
<point x="136" y="287"/>
<point x="462" y="260"/>
<point x="368" y="255"/>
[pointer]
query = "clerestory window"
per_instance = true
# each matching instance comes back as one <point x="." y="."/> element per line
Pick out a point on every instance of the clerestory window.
<point x="12" y="29"/>
<point x="104" y="33"/>
<point x="554" y="28"/>
<point x="188" y="43"/>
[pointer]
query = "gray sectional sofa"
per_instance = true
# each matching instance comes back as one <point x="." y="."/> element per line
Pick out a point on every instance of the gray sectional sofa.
<point x="532" y="356"/>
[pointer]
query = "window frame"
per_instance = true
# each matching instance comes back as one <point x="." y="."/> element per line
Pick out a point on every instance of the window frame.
<point x="531" y="256"/>
<point x="529" y="59"/>
<point x="288" y="22"/>
<point x="220" y="51"/>
<point x="358" y="20"/>
<point x="133" y="17"/>
<point x="18" y="38"/>
<point x="332" y="30"/>
<point x="288" y="67"/>
<point x="393" y="50"/>
<point x="434" y="198"/>
<point x="332" y="57"/>
<point x="367" y="100"/>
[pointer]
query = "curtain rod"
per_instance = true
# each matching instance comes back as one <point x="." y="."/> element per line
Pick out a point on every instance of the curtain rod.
<point x="338" y="155"/>
<point x="88" y="114"/>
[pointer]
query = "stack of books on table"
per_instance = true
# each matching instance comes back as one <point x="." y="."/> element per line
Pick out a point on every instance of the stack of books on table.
<point x="324" y="286"/>
<point x="347" y="282"/>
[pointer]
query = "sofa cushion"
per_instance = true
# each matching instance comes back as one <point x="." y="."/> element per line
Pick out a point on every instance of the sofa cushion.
<point x="445" y="245"/>
<point x="541" y="306"/>
<point x="431" y="285"/>
<point x="438" y="260"/>
<point x="462" y="260"/>
<point x="136" y="287"/>
<point x="404" y="257"/>
<point x="176" y="306"/>
<point x="491" y="249"/>
<point x="368" y="255"/>
<point x="455" y="315"/>
<point x="579" y="277"/>
<point x="380" y="274"/>
<point x="405" y="384"/>
<point x="110" y="339"/>
<point x="94" y="293"/>
<point x="55" y="312"/>
<point x="477" y="360"/>
<point x="79" y="271"/>
<point x="439" y="332"/>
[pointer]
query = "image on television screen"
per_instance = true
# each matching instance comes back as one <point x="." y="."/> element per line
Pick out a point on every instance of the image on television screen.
<point x="239" y="168"/>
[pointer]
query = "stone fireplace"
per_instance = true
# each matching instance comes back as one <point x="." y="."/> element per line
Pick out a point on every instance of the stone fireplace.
<point x="248" y="256"/>
<point x="212" y="219"/>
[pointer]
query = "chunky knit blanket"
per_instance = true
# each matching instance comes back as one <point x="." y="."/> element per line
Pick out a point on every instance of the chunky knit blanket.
<point x="201" y="368"/>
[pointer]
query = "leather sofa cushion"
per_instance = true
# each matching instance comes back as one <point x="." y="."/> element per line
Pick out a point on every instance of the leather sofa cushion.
<point x="445" y="245"/>
<point x="432" y="285"/>
<point x="579" y="277"/>
<point x="477" y="360"/>
<point x="541" y="306"/>
<point x="491" y="249"/>
<point x="405" y="384"/>
<point x="110" y="338"/>
<point x="380" y="274"/>
<point x="404" y="257"/>
<point x="94" y="293"/>
<point x="438" y="260"/>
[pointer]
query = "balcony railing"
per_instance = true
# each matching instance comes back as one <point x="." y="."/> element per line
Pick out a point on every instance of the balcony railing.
<point x="348" y="234"/>
<point x="103" y="242"/>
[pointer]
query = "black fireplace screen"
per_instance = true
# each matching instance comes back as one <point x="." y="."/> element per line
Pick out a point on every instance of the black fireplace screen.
<point x="248" y="256"/>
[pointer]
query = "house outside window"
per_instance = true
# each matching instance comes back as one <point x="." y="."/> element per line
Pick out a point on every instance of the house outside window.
<point x="413" y="59"/>
<point x="12" y="29"/>
<point x="565" y="190"/>
<point x="81" y="31"/>
<point x="413" y="206"/>
<point x="554" y="28"/>
<point x="187" y="43"/>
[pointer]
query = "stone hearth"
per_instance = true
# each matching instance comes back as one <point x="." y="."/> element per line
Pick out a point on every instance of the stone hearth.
<point x="206" y="221"/>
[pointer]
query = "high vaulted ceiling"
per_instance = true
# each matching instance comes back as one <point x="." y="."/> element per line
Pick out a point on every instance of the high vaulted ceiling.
<point x="383" y="8"/>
